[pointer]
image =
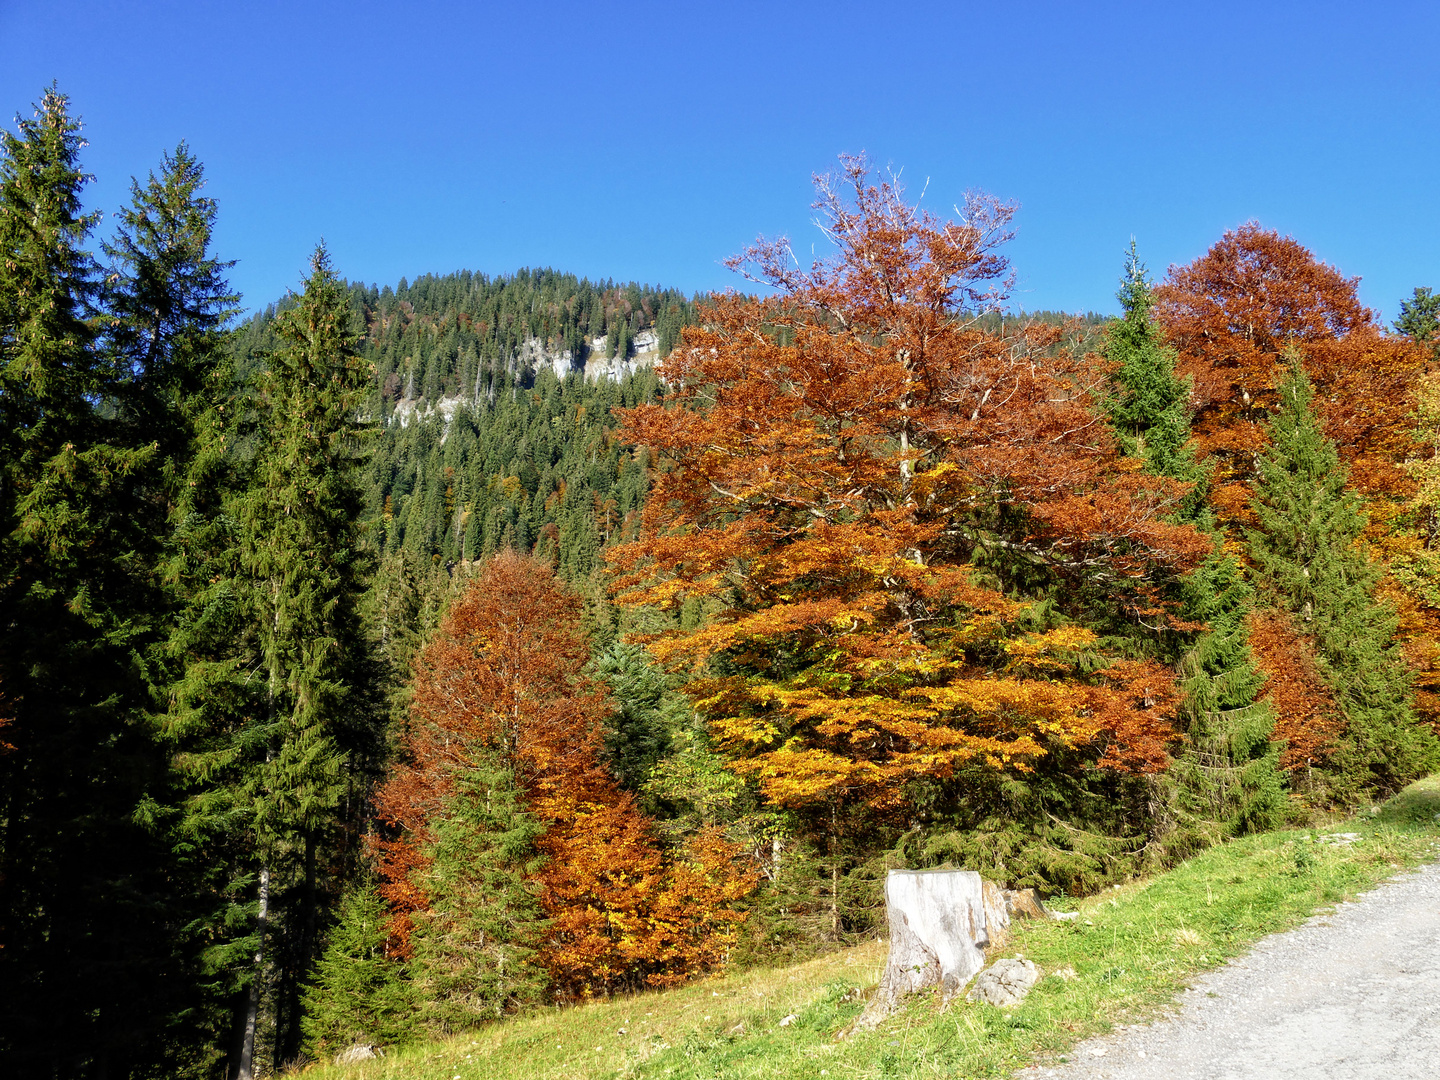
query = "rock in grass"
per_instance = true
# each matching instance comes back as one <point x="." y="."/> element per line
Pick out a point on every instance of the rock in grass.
<point x="1004" y="983"/>
<point x="1024" y="904"/>
<point x="358" y="1052"/>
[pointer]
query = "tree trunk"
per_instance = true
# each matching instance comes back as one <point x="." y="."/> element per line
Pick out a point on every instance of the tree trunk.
<point x="941" y="923"/>
<point x="252" y="1004"/>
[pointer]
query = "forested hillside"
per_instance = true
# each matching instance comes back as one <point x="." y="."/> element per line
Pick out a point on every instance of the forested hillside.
<point x="398" y="660"/>
<point x="494" y="402"/>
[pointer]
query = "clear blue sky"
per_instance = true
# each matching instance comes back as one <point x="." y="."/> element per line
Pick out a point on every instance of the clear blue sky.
<point x="648" y="141"/>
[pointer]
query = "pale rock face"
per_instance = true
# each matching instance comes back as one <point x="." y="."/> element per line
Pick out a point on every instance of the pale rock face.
<point x="644" y="353"/>
<point x="1005" y="983"/>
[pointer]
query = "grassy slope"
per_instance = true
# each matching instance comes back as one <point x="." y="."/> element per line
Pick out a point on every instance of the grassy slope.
<point x="1132" y="948"/>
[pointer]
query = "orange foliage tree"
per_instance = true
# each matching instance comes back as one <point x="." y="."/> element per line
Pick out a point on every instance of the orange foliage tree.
<point x="841" y="464"/>
<point x="1233" y="311"/>
<point x="1307" y="720"/>
<point x="503" y="676"/>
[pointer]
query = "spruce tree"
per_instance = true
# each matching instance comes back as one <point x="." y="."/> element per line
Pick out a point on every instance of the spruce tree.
<point x="359" y="994"/>
<point x="86" y="972"/>
<point x="301" y="556"/>
<point x="1149" y="410"/>
<point x="648" y="713"/>
<point x="1227" y="770"/>
<point x="1310" y="561"/>
<point x="475" y="947"/>
<point x="1420" y="318"/>
<point x="169" y="308"/>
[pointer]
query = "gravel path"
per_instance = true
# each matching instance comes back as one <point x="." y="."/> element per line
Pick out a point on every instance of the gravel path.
<point x="1347" y="996"/>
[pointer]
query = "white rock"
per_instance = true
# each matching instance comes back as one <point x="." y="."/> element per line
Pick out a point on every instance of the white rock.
<point x="358" y="1052"/>
<point x="1005" y="983"/>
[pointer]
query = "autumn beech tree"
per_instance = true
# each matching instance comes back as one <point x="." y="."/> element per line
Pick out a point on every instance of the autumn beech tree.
<point x="515" y="862"/>
<point x="866" y="484"/>
<point x="1233" y="311"/>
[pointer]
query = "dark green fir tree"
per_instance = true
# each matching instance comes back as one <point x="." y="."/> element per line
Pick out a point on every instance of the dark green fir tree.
<point x="169" y="307"/>
<point x="1227" y="770"/>
<point x="1310" y="561"/>
<point x="359" y="995"/>
<point x="87" y="971"/>
<point x="474" y="949"/>
<point x="1420" y="318"/>
<point x="302" y="560"/>
<point x="1149" y="406"/>
<point x="648" y="713"/>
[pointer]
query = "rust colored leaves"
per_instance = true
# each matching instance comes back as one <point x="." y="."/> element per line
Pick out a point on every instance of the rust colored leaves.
<point x="1306" y="716"/>
<point x="504" y="675"/>
<point x="838" y="457"/>
<point x="1234" y="310"/>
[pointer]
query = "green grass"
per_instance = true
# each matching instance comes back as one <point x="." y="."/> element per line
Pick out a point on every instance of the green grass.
<point x="1132" y="949"/>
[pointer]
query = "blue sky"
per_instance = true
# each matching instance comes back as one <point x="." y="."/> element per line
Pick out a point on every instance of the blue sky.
<point x="648" y="141"/>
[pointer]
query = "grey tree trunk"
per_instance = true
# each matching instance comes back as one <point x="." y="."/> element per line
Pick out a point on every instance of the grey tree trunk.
<point x="252" y="1005"/>
<point x="941" y="923"/>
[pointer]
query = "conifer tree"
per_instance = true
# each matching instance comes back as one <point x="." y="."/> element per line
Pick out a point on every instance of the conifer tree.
<point x="301" y="556"/>
<point x="1420" y="317"/>
<point x="1149" y="411"/>
<point x="475" y="947"/>
<point x="648" y="713"/>
<point x="169" y="306"/>
<point x="85" y="966"/>
<point x="1227" y="767"/>
<point x="359" y="994"/>
<point x="1310" y="562"/>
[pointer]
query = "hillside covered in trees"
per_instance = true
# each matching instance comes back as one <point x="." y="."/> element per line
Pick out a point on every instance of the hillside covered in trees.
<point x="400" y="659"/>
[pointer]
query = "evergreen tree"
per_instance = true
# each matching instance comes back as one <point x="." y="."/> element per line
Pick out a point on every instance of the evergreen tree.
<point x="1149" y="407"/>
<point x="1227" y="770"/>
<point x="1420" y="317"/>
<point x="86" y="971"/>
<point x="301" y="554"/>
<point x="169" y="305"/>
<point x="475" y="947"/>
<point x="1310" y="562"/>
<point x="359" y="993"/>
<point x="648" y="713"/>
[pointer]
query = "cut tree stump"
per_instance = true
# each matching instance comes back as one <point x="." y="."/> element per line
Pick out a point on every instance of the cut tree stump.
<point x="941" y="923"/>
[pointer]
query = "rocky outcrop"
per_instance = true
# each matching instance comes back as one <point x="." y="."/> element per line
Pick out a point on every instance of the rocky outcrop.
<point x="644" y="353"/>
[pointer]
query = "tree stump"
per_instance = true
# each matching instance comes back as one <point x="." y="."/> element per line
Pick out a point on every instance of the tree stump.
<point x="941" y="923"/>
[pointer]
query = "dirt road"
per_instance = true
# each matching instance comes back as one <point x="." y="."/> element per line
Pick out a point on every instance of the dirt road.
<point x="1352" y="995"/>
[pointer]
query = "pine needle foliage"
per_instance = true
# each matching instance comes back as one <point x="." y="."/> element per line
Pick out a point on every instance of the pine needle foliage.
<point x="1149" y="407"/>
<point x="359" y="994"/>
<point x="475" y="947"/>
<point x="87" y="968"/>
